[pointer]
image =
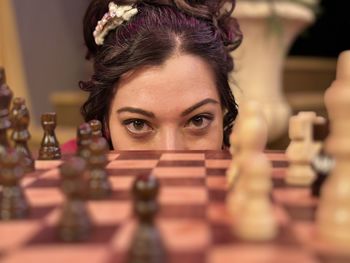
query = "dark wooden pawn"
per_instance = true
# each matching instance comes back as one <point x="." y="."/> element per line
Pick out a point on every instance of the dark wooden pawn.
<point x="19" y="117"/>
<point x="99" y="184"/>
<point x="5" y="101"/>
<point x="84" y="136"/>
<point x="96" y="127"/>
<point x="147" y="245"/>
<point x="2" y="76"/>
<point x="50" y="148"/>
<point x="75" y="223"/>
<point x="13" y="203"/>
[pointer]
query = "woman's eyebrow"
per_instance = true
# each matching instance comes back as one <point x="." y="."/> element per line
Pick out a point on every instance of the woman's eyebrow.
<point x="137" y="110"/>
<point x="198" y="105"/>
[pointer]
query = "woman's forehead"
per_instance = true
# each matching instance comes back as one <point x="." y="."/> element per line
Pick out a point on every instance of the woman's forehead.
<point x="181" y="79"/>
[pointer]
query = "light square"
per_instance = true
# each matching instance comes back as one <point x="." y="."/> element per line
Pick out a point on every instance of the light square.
<point x="53" y="173"/>
<point x="15" y="233"/>
<point x="44" y="196"/>
<point x="179" y="172"/>
<point x="41" y="165"/>
<point x="182" y="156"/>
<point x="191" y="234"/>
<point x="123" y="237"/>
<point x="217" y="163"/>
<point x="59" y="254"/>
<point x="275" y="156"/>
<point x="183" y="195"/>
<point x="134" y="164"/>
<point x="109" y="212"/>
<point x="216" y="182"/>
<point x="112" y="156"/>
<point x="294" y="196"/>
<point x="121" y="182"/>
<point x="218" y="213"/>
<point x="261" y="254"/>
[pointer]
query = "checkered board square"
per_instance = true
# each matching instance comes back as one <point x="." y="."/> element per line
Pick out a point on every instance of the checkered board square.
<point x="193" y="219"/>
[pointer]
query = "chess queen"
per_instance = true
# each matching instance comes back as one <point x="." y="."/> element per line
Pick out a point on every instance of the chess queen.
<point x="160" y="79"/>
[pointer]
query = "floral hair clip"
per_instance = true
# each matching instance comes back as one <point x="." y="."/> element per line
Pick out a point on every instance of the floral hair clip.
<point x="112" y="19"/>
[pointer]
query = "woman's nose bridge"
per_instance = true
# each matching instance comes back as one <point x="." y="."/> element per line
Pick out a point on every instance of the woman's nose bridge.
<point x="172" y="139"/>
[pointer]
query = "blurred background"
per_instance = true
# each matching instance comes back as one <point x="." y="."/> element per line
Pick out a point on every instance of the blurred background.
<point x="42" y="50"/>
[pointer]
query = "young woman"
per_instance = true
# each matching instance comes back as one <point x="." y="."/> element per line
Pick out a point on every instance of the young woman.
<point x="161" y="68"/>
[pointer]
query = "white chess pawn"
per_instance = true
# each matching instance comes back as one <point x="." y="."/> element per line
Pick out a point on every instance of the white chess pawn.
<point x="333" y="215"/>
<point x="302" y="149"/>
<point x="252" y="133"/>
<point x="256" y="220"/>
<point x="232" y="171"/>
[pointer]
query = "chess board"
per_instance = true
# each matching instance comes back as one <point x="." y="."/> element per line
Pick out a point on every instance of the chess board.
<point x="193" y="220"/>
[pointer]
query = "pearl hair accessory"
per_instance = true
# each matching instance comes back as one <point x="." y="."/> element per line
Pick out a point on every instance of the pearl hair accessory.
<point x="112" y="19"/>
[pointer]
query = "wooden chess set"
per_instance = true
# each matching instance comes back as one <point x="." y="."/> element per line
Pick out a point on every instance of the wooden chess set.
<point x="246" y="205"/>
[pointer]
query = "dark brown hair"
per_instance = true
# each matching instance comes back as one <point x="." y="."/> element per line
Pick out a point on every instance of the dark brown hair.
<point x="203" y="28"/>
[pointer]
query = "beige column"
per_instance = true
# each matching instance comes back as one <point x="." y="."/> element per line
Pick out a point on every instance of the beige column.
<point x="260" y="59"/>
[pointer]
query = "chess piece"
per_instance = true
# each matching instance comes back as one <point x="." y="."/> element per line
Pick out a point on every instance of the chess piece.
<point x="256" y="220"/>
<point x="75" y="223"/>
<point x="302" y="149"/>
<point x="5" y="100"/>
<point x="323" y="163"/>
<point x="13" y="203"/>
<point x="322" y="166"/>
<point x="333" y="215"/>
<point x="49" y="149"/>
<point x="234" y="140"/>
<point x="232" y="171"/>
<point x="84" y="136"/>
<point x="96" y="127"/>
<point x="147" y="245"/>
<point x="252" y="134"/>
<point x="99" y="185"/>
<point x="19" y="117"/>
<point x="2" y="76"/>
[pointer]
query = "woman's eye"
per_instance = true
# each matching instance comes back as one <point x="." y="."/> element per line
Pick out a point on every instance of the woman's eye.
<point x="200" y="122"/>
<point x="136" y="126"/>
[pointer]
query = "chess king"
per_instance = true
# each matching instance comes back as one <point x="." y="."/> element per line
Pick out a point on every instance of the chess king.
<point x="150" y="55"/>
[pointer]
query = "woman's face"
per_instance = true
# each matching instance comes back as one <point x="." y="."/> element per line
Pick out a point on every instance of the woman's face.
<point x="175" y="106"/>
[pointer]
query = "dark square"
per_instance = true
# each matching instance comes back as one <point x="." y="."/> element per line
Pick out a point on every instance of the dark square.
<point x="118" y="257"/>
<point x="139" y="155"/>
<point x="329" y="258"/>
<point x="129" y="171"/>
<point x="225" y="155"/>
<point x="49" y="236"/>
<point x="36" y="213"/>
<point x="180" y="163"/>
<point x="37" y="172"/>
<point x="45" y="182"/>
<point x="121" y="195"/>
<point x="216" y="171"/>
<point x="186" y="256"/>
<point x="178" y="181"/>
<point x="279" y="164"/>
<point x="278" y="183"/>
<point x="299" y="213"/>
<point x="183" y="211"/>
<point x="217" y="195"/>
<point x="223" y="234"/>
